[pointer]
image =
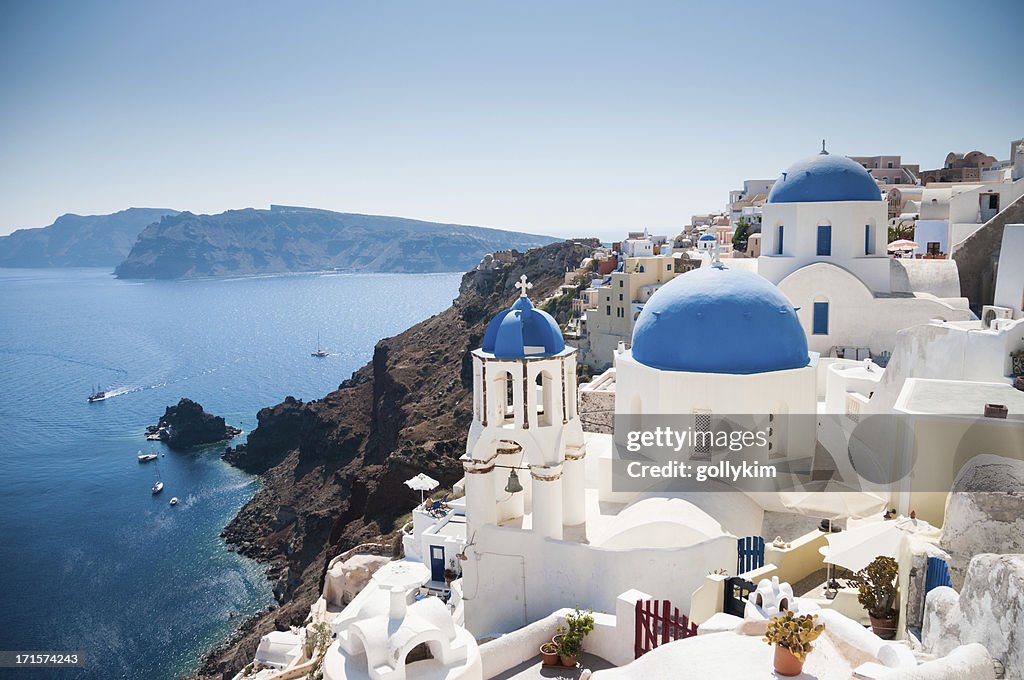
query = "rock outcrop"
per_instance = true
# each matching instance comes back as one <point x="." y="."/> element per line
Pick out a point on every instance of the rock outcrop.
<point x="332" y="470"/>
<point x="187" y="425"/>
<point x="984" y="512"/>
<point x="988" y="610"/>
<point x="288" y="239"/>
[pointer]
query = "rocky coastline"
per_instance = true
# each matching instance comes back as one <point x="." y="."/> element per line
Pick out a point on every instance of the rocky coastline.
<point x="332" y="469"/>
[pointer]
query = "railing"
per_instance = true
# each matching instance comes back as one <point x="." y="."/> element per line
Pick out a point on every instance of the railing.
<point x="658" y="623"/>
<point x="736" y="591"/>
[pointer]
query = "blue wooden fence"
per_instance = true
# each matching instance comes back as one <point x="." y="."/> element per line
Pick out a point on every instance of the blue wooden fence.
<point x="938" y="574"/>
<point x="750" y="554"/>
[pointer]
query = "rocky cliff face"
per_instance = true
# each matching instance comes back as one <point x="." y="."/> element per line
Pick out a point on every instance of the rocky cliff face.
<point x="186" y="425"/>
<point x="333" y="469"/>
<point x="286" y="239"/>
<point x="79" y="240"/>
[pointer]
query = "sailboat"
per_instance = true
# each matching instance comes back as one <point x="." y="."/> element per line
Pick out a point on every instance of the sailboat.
<point x="159" y="486"/>
<point x="320" y="351"/>
<point x="98" y="395"/>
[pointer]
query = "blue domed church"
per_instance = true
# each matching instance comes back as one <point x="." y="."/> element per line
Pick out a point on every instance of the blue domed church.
<point x="824" y="244"/>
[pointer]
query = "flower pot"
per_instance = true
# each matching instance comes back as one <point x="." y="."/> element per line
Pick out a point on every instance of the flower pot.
<point x="786" y="664"/>
<point x="549" y="658"/>
<point x="883" y="628"/>
<point x="568" y="661"/>
<point x="555" y="638"/>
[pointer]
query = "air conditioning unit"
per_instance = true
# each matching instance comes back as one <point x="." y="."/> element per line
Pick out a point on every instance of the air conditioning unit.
<point x="1000" y="324"/>
<point x="990" y="313"/>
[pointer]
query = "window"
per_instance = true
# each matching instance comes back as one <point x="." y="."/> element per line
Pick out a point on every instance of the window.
<point x="890" y="164"/>
<point x="608" y="310"/>
<point x="933" y="248"/>
<point x="820" y="326"/>
<point x="620" y="297"/>
<point x="668" y="267"/>
<point x="780" y="235"/>
<point x="620" y="283"/>
<point x="824" y="239"/>
<point x="868" y="245"/>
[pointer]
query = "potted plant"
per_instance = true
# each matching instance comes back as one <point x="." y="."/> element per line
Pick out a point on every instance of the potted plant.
<point x="549" y="653"/>
<point x="792" y="636"/>
<point x="451" y="572"/>
<point x="570" y="645"/>
<point x="877" y="586"/>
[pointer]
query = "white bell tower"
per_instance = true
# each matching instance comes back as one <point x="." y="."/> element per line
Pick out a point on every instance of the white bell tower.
<point x="525" y="419"/>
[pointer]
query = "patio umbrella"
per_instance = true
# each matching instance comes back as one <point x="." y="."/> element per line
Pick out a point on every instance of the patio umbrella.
<point x="422" y="483"/>
<point x="903" y="244"/>
<point x="855" y="548"/>
<point x="832" y="500"/>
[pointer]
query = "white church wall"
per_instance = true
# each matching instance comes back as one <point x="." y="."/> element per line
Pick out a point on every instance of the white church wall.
<point x="856" y="318"/>
<point x="847" y="219"/>
<point x="530" y="576"/>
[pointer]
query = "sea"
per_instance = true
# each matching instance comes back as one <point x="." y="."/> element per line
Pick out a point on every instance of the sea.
<point x="91" y="561"/>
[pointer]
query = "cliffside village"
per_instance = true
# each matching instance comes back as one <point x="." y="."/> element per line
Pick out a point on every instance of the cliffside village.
<point x="863" y="321"/>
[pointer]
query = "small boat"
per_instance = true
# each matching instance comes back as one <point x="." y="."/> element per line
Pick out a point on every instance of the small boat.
<point x="146" y="457"/>
<point x="174" y="501"/>
<point x="98" y="395"/>
<point x="320" y="351"/>
<point x="158" y="487"/>
<point x="153" y="437"/>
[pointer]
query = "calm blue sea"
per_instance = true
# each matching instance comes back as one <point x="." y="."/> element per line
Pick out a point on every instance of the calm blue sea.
<point x="90" y="559"/>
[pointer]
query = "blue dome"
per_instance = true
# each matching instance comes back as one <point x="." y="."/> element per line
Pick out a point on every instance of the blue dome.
<point x="824" y="178"/>
<point x="707" y="237"/>
<point x="719" y="320"/>
<point x="522" y="331"/>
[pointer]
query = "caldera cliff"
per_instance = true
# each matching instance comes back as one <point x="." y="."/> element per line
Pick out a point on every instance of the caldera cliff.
<point x="332" y="470"/>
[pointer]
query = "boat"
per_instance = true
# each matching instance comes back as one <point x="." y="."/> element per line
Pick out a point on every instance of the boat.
<point x="320" y="351"/>
<point x="174" y="501"/>
<point x="98" y="395"/>
<point x="153" y="437"/>
<point x="158" y="487"/>
<point x="146" y="457"/>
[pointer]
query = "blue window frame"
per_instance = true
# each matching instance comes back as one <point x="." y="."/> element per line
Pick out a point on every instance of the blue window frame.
<point x="780" y="235"/>
<point x="824" y="239"/>
<point x="820" y="325"/>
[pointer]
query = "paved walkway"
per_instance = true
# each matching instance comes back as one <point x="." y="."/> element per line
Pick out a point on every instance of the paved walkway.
<point x="534" y="670"/>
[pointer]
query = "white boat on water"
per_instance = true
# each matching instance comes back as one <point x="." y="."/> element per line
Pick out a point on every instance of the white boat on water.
<point x="174" y="501"/>
<point x="146" y="457"/>
<point x="158" y="487"/>
<point x="320" y="351"/>
<point x="98" y="395"/>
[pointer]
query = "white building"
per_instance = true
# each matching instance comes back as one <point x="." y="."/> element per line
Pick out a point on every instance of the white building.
<point x="824" y="245"/>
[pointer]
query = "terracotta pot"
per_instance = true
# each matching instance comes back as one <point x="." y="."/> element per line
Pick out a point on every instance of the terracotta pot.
<point x="568" y="661"/>
<point x="549" y="658"/>
<point x="556" y="638"/>
<point x="786" y="664"/>
<point x="883" y="628"/>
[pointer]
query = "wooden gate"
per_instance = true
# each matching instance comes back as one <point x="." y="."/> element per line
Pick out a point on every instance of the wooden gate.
<point x="657" y="623"/>
<point x="937" y="575"/>
<point x="749" y="554"/>
<point x="736" y="591"/>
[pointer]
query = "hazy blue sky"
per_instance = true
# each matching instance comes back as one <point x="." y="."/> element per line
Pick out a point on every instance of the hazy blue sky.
<point x="571" y="118"/>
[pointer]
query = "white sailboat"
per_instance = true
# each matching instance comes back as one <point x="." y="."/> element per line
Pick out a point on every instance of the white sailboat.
<point x="320" y="351"/>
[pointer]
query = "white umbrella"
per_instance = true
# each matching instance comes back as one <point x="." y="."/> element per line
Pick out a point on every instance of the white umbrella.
<point x="855" y="548"/>
<point x="422" y="483"/>
<point x="833" y="500"/>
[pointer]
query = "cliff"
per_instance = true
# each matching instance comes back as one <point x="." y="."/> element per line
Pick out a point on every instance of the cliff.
<point x="332" y="470"/>
<point x="286" y="239"/>
<point x="78" y="240"/>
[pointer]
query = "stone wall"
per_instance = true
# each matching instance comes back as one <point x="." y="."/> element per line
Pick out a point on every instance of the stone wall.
<point x="978" y="256"/>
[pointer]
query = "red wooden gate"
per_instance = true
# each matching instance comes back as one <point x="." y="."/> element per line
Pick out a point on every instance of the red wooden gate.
<point x="657" y="623"/>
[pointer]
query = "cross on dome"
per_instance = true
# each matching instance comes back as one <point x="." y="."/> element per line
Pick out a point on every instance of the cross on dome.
<point x="523" y="286"/>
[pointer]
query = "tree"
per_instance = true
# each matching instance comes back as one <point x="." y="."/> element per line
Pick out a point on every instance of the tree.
<point x="902" y="228"/>
<point x="740" y="235"/>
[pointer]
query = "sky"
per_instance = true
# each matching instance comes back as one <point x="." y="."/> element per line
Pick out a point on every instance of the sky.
<point x="568" y="118"/>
